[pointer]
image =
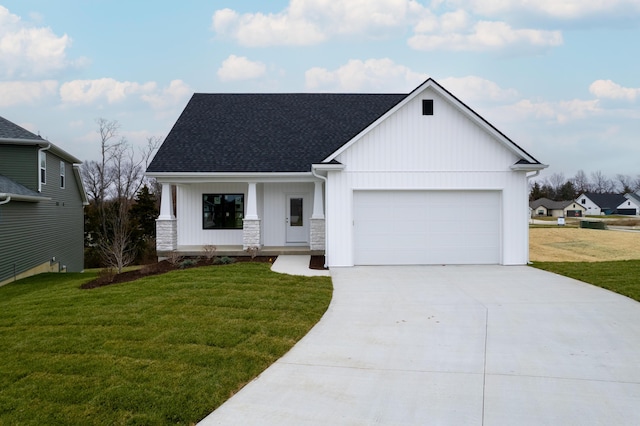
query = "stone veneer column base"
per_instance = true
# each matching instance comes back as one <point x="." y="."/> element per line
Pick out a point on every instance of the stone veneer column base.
<point x="317" y="234"/>
<point x="251" y="233"/>
<point x="166" y="235"/>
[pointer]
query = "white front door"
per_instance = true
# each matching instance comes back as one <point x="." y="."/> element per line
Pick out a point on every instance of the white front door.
<point x="297" y="220"/>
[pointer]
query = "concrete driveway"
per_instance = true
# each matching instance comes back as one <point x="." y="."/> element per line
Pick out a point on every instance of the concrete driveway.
<point x="455" y="345"/>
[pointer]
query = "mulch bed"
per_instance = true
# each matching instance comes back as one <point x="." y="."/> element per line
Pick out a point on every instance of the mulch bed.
<point x="108" y="278"/>
<point x="317" y="262"/>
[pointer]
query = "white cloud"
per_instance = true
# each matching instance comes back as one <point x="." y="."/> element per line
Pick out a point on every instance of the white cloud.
<point x="560" y="112"/>
<point x="27" y="51"/>
<point x="306" y="22"/>
<point x="171" y="96"/>
<point x="556" y="9"/>
<point x="481" y="36"/>
<point x="473" y="88"/>
<point x="90" y="91"/>
<point x="240" y="68"/>
<point x="609" y="90"/>
<point x="376" y="75"/>
<point x="26" y="92"/>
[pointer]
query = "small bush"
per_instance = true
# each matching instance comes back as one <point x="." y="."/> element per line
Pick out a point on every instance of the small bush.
<point x="210" y="252"/>
<point x="225" y="260"/>
<point x="174" y="258"/>
<point x="187" y="263"/>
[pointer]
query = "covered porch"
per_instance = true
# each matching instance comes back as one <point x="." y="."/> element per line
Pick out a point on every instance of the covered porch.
<point x="269" y="216"/>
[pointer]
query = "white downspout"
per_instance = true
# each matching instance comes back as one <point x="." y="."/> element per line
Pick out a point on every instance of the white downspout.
<point x="6" y="200"/>
<point x="41" y="150"/>
<point x="326" y="216"/>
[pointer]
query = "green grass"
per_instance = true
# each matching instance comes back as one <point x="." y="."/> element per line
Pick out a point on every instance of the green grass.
<point x="620" y="276"/>
<point x="166" y="349"/>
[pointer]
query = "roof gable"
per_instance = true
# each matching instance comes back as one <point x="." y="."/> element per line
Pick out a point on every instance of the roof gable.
<point x="525" y="162"/>
<point x="265" y="132"/>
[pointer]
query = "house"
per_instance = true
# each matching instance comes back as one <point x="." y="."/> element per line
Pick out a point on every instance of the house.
<point x="605" y="204"/>
<point x="547" y="207"/>
<point x="41" y="206"/>
<point x="631" y="206"/>
<point x="366" y="179"/>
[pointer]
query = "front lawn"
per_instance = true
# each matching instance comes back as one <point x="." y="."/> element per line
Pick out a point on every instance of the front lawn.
<point x="166" y="349"/>
<point x="620" y="276"/>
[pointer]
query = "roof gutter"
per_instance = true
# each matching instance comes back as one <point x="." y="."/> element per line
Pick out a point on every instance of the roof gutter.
<point x="17" y="197"/>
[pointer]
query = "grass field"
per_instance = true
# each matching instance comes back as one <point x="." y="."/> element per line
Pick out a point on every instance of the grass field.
<point x="606" y="258"/>
<point x="564" y="244"/>
<point x="166" y="349"/>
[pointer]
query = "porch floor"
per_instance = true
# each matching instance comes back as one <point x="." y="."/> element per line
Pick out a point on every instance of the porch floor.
<point x="238" y="251"/>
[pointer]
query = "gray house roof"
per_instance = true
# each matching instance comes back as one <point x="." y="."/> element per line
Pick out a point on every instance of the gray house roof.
<point x="550" y="204"/>
<point x="265" y="132"/>
<point x="9" y="130"/>
<point x="17" y="192"/>
<point x="279" y="132"/>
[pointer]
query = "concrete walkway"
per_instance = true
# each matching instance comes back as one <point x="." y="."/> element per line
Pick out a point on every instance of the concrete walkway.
<point x="297" y="265"/>
<point x="455" y="345"/>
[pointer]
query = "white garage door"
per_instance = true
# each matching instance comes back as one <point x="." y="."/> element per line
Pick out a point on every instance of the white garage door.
<point x="427" y="227"/>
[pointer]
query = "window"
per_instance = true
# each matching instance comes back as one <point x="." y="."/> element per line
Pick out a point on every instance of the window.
<point x="43" y="167"/>
<point x="427" y="107"/>
<point x="222" y="211"/>
<point x="584" y="201"/>
<point x="540" y="212"/>
<point x="62" y="170"/>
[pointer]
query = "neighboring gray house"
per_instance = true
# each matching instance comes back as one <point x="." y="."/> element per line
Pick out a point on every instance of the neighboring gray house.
<point x="368" y="179"/>
<point x="41" y="206"/>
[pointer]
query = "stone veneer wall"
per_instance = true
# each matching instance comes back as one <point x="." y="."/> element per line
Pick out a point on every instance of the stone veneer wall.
<point x="166" y="235"/>
<point x="317" y="234"/>
<point x="251" y="233"/>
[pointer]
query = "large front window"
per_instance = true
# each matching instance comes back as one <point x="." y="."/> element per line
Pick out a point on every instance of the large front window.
<point x="222" y="211"/>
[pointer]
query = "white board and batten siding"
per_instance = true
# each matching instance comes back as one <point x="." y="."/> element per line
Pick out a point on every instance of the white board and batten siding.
<point x="446" y="153"/>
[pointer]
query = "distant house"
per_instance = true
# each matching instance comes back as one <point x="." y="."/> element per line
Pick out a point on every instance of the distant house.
<point x="366" y="179"/>
<point x="605" y="204"/>
<point x="41" y="206"/>
<point x="547" y="207"/>
<point x="631" y="205"/>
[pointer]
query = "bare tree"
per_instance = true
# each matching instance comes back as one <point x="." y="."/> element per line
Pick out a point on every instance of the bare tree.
<point x="581" y="182"/>
<point x="624" y="183"/>
<point x="113" y="183"/>
<point x="601" y="184"/>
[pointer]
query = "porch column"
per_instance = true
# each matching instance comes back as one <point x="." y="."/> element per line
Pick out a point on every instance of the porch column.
<point x="251" y="229"/>
<point x="166" y="226"/>
<point x="317" y="240"/>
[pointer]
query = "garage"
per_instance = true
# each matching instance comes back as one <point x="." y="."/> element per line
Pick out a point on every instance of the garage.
<point x="427" y="227"/>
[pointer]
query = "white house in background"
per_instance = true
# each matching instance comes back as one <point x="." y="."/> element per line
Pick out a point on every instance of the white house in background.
<point x="631" y="205"/>
<point x="605" y="204"/>
<point x="366" y="179"/>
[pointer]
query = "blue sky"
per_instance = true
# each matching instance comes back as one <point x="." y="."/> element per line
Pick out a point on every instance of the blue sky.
<point x="559" y="77"/>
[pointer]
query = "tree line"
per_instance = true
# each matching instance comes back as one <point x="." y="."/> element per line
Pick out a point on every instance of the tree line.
<point x="123" y="206"/>
<point x="557" y="187"/>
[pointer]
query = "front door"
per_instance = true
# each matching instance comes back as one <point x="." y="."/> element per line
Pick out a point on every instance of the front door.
<point x="297" y="220"/>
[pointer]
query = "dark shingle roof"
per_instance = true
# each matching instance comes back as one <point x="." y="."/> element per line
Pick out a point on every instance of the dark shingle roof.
<point x="9" y="130"/>
<point x="265" y="132"/>
<point x="606" y="201"/>
<point x="7" y="186"/>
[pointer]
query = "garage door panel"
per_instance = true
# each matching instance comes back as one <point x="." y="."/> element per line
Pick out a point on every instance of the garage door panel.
<point x="426" y="227"/>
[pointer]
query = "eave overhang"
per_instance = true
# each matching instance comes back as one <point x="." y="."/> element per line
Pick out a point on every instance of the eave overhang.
<point x="211" y="177"/>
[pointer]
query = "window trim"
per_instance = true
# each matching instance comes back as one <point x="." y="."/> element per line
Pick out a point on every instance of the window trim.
<point x="43" y="168"/>
<point x="63" y="175"/>
<point x="238" y="211"/>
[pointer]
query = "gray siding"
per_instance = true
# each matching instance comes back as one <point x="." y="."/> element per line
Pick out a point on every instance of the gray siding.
<point x="20" y="163"/>
<point x="34" y="233"/>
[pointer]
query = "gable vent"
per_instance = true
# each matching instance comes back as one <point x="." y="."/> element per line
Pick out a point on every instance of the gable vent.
<point x="427" y="107"/>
